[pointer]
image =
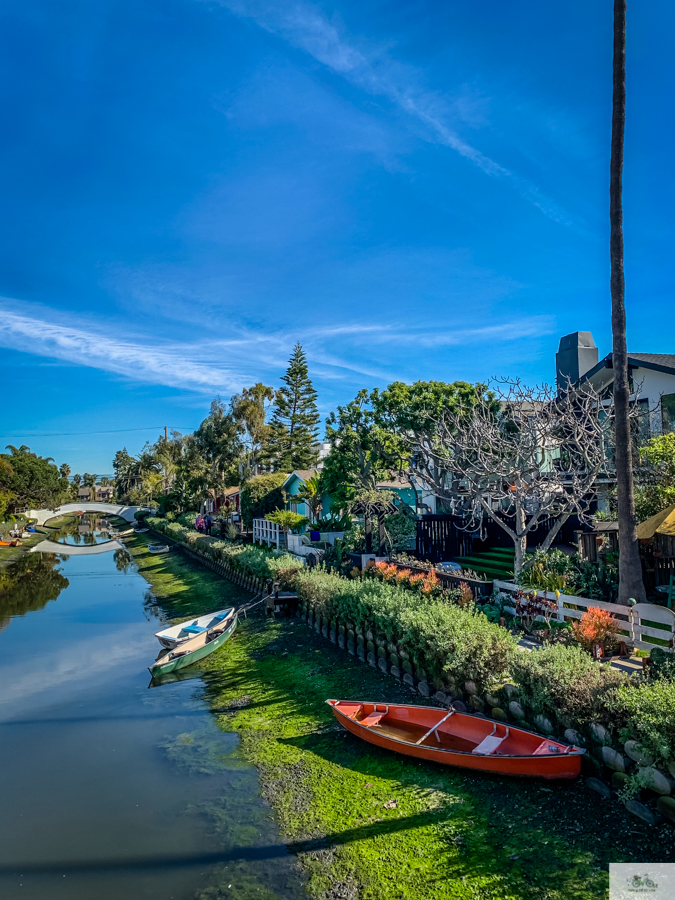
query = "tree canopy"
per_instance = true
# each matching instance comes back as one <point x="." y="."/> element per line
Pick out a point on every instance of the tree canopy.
<point x="294" y="425"/>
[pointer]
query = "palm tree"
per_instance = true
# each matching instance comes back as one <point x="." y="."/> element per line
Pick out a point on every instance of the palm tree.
<point x="77" y="480"/>
<point x="311" y="495"/>
<point x="64" y="470"/>
<point x="630" y="568"/>
<point x="90" y="482"/>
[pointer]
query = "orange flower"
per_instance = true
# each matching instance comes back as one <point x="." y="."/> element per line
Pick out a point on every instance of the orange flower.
<point x="594" y="627"/>
<point x="402" y="574"/>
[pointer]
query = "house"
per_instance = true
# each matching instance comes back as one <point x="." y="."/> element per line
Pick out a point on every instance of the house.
<point x="417" y="497"/>
<point x="226" y="504"/>
<point x="103" y="493"/>
<point x="295" y="484"/>
<point x="652" y="378"/>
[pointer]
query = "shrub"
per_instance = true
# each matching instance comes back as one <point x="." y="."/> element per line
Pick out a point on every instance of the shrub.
<point x="594" y="627"/>
<point x="648" y="711"/>
<point x="565" y="682"/>
<point x="550" y="570"/>
<point x="262" y="495"/>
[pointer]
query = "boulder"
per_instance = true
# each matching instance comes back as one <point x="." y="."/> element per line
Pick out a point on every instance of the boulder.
<point x="654" y="780"/>
<point x="492" y="700"/>
<point x="341" y="641"/>
<point x="459" y="706"/>
<point x="641" y="811"/>
<point x="477" y="704"/>
<point x="637" y="754"/>
<point x="470" y="688"/>
<point x="409" y="680"/>
<point x="543" y="724"/>
<point x="499" y="714"/>
<point x="599" y="733"/>
<point x="395" y="671"/>
<point x="511" y="691"/>
<point x="441" y="697"/>
<point x="371" y="659"/>
<point x="423" y="688"/>
<point x="599" y="787"/>
<point x="516" y="710"/>
<point x="572" y="737"/>
<point x="666" y="806"/>
<point x="382" y="665"/>
<point x="620" y="780"/>
<point x="612" y="759"/>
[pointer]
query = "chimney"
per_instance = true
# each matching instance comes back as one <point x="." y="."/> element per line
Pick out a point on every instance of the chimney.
<point x="576" y="355"/>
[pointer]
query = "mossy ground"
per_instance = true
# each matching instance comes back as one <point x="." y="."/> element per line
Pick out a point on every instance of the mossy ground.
<point x="368" y="823"/>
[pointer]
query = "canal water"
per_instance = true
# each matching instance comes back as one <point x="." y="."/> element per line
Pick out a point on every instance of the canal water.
<point x="110" y="788"/>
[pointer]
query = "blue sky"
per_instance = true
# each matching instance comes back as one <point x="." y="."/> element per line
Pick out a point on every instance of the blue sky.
<point x="413" y="190"/>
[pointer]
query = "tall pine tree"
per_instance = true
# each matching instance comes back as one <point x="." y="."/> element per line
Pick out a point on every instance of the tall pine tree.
<point x="294" y="425"/>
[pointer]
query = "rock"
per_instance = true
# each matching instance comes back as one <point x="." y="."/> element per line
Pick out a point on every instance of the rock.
<point x="654" y="780"/>
<point x="370" y="636"/>
<point x="666" y="806"/>
<point x="440" y="696"/>
<point x="641" y="811"/>
<point x="599" y="733"/>
<point x="671" y="768"/>
<point x="341" y="641"/>
<point x="351" y="647"/>
<point x="394" y="660"/>
<point x="420" y="674"/>
<point x="620" y="780"/>
<point x="543" y="724"/>
<point x="476" y="703"/>
<point x="381" y="652"/>
<point x="599" y="787"/>
<point x="459" y="706"/>
<point x="371" y="659"/>
<point x="382" y="665"/>
<point x="516" y="710"/>
<point x="361" y="652"/>
<point x="407" y="667"/>
<point x="423" y="688"/>
<point x="409" y="680"/>
<point x="395" y="671"/>
<point x="637" y="754"/>
<point x="332" y="636"/>
<point x="438" y="684"/>
<point x="612" y="759"/>
<point x="470" y="688"/>
<point x="572" y="737"/>
<point x="511" y="691"/>
<point x="370" y="647"/>
<point x="492" y="700"/>
<point x="499" y="714"/>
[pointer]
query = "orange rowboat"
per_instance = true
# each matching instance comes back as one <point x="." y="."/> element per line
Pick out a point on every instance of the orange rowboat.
<point x="457" y="739"/>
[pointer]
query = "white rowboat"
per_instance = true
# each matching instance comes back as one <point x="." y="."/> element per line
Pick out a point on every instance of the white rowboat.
<point x="193" y="650"/>
<point x="178" y="634"/>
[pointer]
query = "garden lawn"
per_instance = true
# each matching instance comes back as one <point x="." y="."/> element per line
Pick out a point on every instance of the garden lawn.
<point x="367" y="823"/>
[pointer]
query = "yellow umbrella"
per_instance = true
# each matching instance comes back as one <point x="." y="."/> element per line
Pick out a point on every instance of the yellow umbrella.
<point x="661" y="523"/>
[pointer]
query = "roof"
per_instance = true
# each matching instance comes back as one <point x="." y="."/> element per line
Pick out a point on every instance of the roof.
<point x="228" y="492"/>
<point x="301" y="474"/>
<point x="662" y="523"/>
<point x="397" y="484"/>
<point x="660" y="362"/>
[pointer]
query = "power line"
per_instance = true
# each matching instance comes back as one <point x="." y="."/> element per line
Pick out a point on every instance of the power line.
<point x="31" y="434"/>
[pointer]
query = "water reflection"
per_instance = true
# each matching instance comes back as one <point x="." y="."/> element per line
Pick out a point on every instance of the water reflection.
<point x="86" y="530"/>
<point x="29" y="584"/>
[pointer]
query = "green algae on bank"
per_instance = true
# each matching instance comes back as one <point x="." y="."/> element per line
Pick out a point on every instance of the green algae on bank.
<point x="365" y="822"/>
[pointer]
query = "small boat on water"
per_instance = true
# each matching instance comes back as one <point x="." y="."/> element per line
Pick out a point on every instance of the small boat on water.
<point x="457" y="739"/>
<point x="195" y="649"/>
<point x="158" y="548"/>
<point x="118" y="534"/>
<point x="141" y="530"/>
<point x="178" y="634"/>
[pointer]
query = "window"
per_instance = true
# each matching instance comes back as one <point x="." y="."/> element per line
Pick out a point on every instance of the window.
<point x="668" y="412"/>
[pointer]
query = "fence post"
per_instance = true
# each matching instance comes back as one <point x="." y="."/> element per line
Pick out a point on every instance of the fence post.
<point x="560" y="615"/>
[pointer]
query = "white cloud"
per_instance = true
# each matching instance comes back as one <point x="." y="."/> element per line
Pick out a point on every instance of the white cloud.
<point x="306" y="27"/>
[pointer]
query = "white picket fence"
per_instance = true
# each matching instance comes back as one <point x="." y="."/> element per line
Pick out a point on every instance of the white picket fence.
<point x="639" y="623"/>
<point x="265" y="532"/>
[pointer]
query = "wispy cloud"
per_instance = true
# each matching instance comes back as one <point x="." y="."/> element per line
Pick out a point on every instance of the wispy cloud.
<point x="336" y="350"/>
<point x="373" y="70"/>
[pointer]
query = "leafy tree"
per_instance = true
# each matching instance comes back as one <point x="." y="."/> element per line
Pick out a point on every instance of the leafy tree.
<point x="31" y="480"/>
<point x="294" y="425"/>
<point x="126" y="471"/>
<point x="250" y="412"/>
<point x="29" y="584"/>
<point x="64" y="470"/>
<point x="287" y="519"/>
<point x="213" y="454"/>
<point x="262" y="495"/>
<point x="89" y="481"/>
<point x="656" y="476"/>
<point x="77" y="480"/>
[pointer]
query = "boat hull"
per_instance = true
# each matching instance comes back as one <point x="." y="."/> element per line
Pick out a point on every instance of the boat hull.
<point x="563" y="764"/>
<point x="162" y="667"/>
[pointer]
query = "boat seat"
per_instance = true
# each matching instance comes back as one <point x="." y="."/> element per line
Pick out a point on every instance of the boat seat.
<point x="373" y="719"/>
<point x="488" y="745"/>
<point x="193" y="629"/>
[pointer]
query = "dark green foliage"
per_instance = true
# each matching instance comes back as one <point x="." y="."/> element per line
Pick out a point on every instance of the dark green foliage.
<point x="293" y="430"/>
<point x="262" y="495"/>
<point x="29" y="584"/>
<point x="648" y="710"/>
<point x="27" y="479"/>
<point x="552" y="570"/>
<point x="565" y="683"/>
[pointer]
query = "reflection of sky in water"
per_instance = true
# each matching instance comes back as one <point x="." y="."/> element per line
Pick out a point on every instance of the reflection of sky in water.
<point x="125" y="791"/>
<point x="85" y="530"/>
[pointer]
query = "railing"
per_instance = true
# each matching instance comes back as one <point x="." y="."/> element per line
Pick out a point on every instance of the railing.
<point x="645" y="624"/>
<point x="265" y="532"/>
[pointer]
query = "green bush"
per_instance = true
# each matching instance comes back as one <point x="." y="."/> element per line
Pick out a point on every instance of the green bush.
<point x="565" y="683"/>
<point x="648" y="711"/>
<point x="262" y="495"/>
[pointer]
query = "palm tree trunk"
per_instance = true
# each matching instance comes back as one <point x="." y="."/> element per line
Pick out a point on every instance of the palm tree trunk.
<point x="630" y="568"/>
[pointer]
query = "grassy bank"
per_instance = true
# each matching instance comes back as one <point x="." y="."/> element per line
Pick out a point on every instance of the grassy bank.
<point x="370" y="824"/>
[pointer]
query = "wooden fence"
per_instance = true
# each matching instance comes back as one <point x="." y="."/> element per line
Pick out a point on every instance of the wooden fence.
<point x="645" y="624"/>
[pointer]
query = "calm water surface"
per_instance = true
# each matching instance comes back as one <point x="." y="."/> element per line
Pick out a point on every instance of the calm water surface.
<point x="109" y="789"/>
